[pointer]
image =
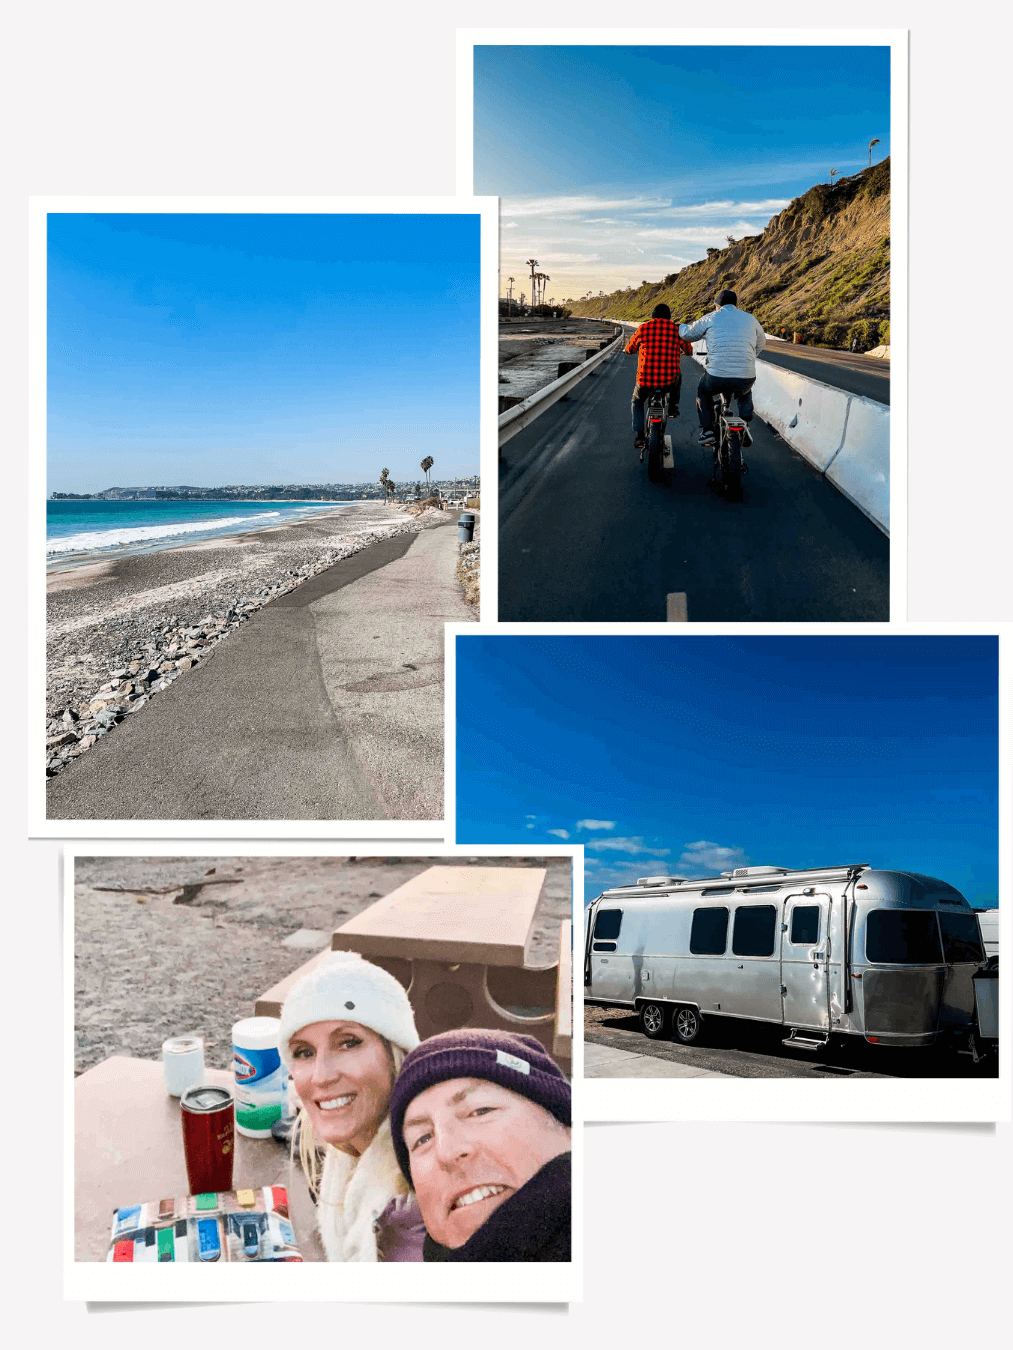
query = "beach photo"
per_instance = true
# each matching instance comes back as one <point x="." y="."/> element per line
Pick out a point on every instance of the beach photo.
<point x="262" y="502"/>
<point x="699" y="304"/>
<point x="794" y="856"/>
<point x="317" y="1059"/>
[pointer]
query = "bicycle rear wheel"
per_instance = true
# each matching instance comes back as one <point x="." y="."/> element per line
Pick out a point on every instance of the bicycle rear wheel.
<point x="733" y="466"/>
<point x="654" y="452"/>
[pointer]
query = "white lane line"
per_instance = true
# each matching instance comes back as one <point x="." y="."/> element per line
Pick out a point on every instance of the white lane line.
<point x="677" y="610"/>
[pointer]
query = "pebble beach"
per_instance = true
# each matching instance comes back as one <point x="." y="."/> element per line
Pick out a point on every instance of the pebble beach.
<point x="120" y="631"/>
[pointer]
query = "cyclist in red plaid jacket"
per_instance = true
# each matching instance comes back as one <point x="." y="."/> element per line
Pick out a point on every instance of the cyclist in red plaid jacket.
<point x="659" y="348"/>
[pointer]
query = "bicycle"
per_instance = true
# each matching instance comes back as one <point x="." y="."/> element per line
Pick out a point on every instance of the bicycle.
<point x="656" y="418"/>
<point x="730" y="435"/>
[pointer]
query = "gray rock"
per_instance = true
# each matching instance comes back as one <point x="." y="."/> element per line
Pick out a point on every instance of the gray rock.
<point x="306" y="939"/>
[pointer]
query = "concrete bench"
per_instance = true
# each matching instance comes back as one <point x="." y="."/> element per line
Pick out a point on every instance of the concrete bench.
<point x="454" y="937"/>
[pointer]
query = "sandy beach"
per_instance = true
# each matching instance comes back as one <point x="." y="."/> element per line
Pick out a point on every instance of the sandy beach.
<point x="120" y="631"/>
<point x="530" y="350"/>
<point x="152" y="959"/>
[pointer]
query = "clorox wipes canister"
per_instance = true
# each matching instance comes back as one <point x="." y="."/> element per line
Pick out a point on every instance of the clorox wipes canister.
<point x="261" y="1078"/>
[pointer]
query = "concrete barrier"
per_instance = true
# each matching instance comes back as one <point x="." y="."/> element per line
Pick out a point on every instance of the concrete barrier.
<point x="861" y="468"/>
<point x="810" y="416"/>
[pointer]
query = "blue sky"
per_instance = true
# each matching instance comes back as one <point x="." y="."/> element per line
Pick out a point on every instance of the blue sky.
<point x="211" y="349"/>
<point x="691" y="755"/>
<point x="623" y="164"/>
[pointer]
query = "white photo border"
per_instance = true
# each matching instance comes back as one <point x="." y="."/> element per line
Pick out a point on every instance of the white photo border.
<point x="897" y="39"/>
<point x="501" y="1282"/>
<point x="788" y="1099"/>
<point x="41" y="827"/>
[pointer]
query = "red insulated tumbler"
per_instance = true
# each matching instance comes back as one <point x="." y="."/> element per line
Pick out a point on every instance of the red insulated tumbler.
<point x="209" y="1137"/>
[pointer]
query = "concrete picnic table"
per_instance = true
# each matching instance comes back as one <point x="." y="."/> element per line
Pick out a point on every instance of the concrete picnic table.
<point x="128" y="1147"/>
<point x="455" y="938"/>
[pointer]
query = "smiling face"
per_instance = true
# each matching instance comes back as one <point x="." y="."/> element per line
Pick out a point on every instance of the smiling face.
<point x="471" y="1145"/>
<point x="343" y="1074"/>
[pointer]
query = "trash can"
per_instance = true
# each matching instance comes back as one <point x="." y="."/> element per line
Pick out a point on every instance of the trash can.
<point x="986" y="1000"/>
<point x="466" y="528"/>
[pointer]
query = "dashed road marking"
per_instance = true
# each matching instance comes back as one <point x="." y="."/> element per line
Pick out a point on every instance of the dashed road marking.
<point x="677" y="611"/>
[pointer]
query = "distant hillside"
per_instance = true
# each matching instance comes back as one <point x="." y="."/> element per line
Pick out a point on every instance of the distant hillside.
<point x="821" y="267"/>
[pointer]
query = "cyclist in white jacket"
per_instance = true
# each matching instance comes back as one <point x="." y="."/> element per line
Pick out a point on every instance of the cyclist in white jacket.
<point x="734" y="338"/>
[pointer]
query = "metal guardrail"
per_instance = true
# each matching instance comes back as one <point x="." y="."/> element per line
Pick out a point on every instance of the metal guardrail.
<point x="516" y="419"/>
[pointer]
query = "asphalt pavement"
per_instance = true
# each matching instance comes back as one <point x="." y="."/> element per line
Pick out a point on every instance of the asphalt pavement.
<point x="584" y="536"/>
<point x="853" y="371"/>
<point x="326" y="705"/>
<point x="742" y="1049"/>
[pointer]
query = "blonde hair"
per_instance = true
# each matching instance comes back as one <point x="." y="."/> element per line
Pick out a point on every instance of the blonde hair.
<point x="313" y="1149"/>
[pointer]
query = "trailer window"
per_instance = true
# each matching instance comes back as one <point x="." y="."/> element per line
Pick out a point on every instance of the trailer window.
<point x="606" y="925"/>
<point x="961" y="937"/>
<point x="753" y="931"/>
<point x="709" y="932"/>
<point x="805" y="924"/>
<point x="902" y="937"/>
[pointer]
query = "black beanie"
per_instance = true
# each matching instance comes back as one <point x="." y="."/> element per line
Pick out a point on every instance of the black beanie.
<point x="519" y="1063"/>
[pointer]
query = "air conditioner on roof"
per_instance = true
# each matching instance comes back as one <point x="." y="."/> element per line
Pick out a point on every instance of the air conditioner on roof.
<point x="756" y="872"/>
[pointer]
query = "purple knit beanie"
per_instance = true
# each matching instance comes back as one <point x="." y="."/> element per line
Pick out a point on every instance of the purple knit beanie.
<point x="519" y="1063"/>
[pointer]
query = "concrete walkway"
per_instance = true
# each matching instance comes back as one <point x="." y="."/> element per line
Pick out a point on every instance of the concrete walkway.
<point x="326" y="705"/>
<point x="602" y="1061"/>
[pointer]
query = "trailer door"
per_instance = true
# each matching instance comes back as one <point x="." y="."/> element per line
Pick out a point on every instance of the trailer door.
<point x="805" y="961"/>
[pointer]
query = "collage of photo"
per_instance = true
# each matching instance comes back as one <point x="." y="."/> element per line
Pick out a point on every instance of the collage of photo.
<point x="399" y="892"/>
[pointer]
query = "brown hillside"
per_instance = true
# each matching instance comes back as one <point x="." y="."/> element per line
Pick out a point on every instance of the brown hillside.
<point x="821" y="267"/>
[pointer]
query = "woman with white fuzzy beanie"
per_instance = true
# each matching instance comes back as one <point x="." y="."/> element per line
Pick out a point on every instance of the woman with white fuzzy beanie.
<point x="345" y="1028"/>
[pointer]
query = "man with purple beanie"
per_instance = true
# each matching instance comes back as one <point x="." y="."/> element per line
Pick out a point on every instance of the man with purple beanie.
<point x="481" y="1128"/>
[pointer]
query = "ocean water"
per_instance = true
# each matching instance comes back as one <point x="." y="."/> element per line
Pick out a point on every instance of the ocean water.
<point x="79" y="532"/>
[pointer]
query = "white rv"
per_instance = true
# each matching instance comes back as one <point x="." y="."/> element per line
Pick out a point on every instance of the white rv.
<point x="885" y="955"/>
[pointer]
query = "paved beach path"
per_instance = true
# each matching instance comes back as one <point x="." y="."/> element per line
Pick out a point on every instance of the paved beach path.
<point x="326" y="705"/>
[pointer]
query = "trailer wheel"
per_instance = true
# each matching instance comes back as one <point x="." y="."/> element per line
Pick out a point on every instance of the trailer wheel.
<point x="686" y="1025"/>
<point x="654" y="1020"/>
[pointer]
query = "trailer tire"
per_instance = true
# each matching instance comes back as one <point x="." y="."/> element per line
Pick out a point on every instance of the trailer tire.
<point x="686" y="1025"/>
<point x="654" y="1018"/>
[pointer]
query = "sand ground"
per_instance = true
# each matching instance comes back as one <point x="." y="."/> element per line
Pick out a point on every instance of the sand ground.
<point x="166" y="946"/>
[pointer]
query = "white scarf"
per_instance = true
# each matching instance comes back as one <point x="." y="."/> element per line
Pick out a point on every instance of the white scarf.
<point x="354" y="1192"/>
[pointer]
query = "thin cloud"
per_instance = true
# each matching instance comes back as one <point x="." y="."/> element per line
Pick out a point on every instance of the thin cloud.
<point x="631" y="844"/>
<point x="554" y="206"/>
<point x="700" y="231"/>
<point x="563" y="834"/>
<point x="596" y="824"/>
<point x="772" y="205"/>
<point x="704" y="858"/>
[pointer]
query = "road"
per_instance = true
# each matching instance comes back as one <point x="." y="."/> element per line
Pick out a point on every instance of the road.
<point x="754" y="1050"/>
<point x="326" y="705"/>
<point x="585" y="536"/>
<point x="853" y="371"/>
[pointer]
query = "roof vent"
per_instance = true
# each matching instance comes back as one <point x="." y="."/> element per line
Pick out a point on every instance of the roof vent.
<point x="658" y="881"/>
<point x="756" y="872"/>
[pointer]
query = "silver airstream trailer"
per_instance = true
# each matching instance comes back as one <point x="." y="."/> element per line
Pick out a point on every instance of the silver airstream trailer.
<point x="881" y="954"/>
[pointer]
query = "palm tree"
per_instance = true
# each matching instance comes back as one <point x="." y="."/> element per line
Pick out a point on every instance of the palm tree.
<point x="871" y="144"/>
<point x="385" y="482"/>
<point x="532" y="263"/>
<point x="427" y="463"/>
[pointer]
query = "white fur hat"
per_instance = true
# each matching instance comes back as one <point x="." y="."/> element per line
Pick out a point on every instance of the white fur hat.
<point x="345" y="987"/>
